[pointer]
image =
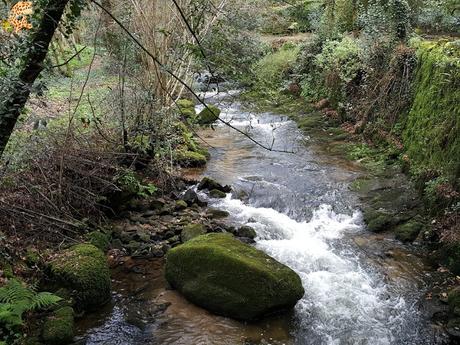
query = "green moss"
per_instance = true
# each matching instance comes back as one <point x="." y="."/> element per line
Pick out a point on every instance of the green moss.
<point x="189" y="159"/>
<point x="187" y="108"/>
<point x="377" y="221"/>
<point x="83" y="269"/>
<point x="99" y="239"/>
<point x="247" y="231"/>
<point x="59" y="327"/>
<point x="217" y="214"/>
<point x="181" y="205"/>
<point x="432" y="134"/>
<point x="409" y="231"/>
<point x="208" y="115"/>
<point x="191" y="231"/>
<point x="225" y="276"/>
<point x="449" y="255"/>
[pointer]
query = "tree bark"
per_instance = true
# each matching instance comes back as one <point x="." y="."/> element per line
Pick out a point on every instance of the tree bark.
<point x="20" y="85"/>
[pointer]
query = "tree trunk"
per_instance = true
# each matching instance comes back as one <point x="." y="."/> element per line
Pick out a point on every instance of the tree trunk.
<point x="19" y="88"/>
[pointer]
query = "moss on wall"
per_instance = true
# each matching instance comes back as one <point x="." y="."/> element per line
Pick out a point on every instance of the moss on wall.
<point x="432" y="133"/>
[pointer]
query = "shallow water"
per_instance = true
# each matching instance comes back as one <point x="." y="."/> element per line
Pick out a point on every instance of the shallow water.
<point x="360" y="288"/>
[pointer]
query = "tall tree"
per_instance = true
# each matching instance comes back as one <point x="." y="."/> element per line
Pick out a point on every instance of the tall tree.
<point x="20" y="83"/>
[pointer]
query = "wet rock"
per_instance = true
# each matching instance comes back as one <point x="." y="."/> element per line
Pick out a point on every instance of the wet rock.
<point x="409" y="231"/>
<point x="246" y="231"/>
<point x="157" y="204"/>
<point x="84" y="270"/>
<point x="210" y="184"/>
<point x="138" y="205"/>
<point x="227" y="277"/>
<point x="378" y="220"/>
<point x="217" y="194"/>
<point x="59" y="328"/>
<point x="214" y="213"/>
<point x="191" y="231"/>
<point x="191" y="198"/>
<point x="454" y="302"/>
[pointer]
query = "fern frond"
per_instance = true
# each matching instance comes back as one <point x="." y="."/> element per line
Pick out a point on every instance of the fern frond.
<point x="44" y="300"/>
<point x="14" y="291"/>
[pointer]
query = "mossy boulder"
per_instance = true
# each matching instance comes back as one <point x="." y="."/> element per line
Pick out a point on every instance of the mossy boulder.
<point x="191" y="231"/>
<point x="190" y="159"/>
<point x="215" y="193"/>
<point x="58" y="328"/>
<point x="378" y="220"/>
<point x="180" y="205"/>
<point x="230" y="278"/>
<point x="99" y="239"/>
<point x="214" y="213"/>
<point x="409" y="231"/>
<point x="83" y="269"/>
<point x="208" y="115"/>
<point x="247" y="231"/>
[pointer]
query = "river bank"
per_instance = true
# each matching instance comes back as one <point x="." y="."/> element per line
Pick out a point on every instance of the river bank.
<point x="334" y="254"/>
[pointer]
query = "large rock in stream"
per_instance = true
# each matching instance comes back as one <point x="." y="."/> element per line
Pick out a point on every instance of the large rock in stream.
<point x="230" y="278"/>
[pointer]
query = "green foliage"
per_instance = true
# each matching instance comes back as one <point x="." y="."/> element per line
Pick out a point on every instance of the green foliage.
<point x="59" y="328"/>
<point x="16" y="299"/>
<point x="130" y="183"/>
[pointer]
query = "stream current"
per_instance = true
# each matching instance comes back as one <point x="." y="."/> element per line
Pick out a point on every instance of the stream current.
<point x="306" y="217"/>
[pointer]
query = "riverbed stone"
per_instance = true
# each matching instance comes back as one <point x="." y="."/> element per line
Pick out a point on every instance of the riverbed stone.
<point x="180" y="205"/>
<point x="210" y="184"/>
<point x="84" y="270"/>
<point x="230" y="278"/>
<point x="191" y="231"/>
<point x="58" y="328"/>
<point x="214" y="213"/>
<point x="246" y="231"/>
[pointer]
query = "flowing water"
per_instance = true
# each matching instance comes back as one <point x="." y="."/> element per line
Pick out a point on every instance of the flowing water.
<point x="359" y="288"/>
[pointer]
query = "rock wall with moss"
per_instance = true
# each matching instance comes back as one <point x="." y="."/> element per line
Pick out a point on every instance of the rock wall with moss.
<point x="432" y="130"/>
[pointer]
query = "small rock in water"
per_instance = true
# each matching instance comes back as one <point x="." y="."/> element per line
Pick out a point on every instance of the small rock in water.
<point x="210" y="184"/>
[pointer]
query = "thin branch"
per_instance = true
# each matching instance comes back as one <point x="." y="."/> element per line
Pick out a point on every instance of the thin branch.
<point x="70" y="59"/>
<point x="163" y="67"/>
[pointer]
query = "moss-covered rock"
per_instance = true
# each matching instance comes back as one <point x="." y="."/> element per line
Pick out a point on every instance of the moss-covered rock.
<point x="246" y="231"/>
<point x="214" y="213"/>
<point x="99" y="239"/>
<point x="84" y="270"/>
<point x="409" y="231"/>
<point x="215" y="193"/>
<point x="191" y="231"/>
<point x="208" y="115"/>
<point x="190" y="159"/>
<point x="227" y="277"/>
<point x="180" y="205"/>
<point x="380" y="222"/>
<point x="58" y="328"/>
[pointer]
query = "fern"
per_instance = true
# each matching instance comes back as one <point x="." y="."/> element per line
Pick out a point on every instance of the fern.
<point x="16" y="299"/>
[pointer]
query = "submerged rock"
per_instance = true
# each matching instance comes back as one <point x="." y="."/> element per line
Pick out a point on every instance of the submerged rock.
<point x="215" y="193"/>
<point x="58" y="328"/>
<point x="214" y="213"/>
<point x="84" y="270"/>
<point x="230" y="278"/>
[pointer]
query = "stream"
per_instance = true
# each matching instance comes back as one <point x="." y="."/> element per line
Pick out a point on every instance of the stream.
<point x="360" y="288"/>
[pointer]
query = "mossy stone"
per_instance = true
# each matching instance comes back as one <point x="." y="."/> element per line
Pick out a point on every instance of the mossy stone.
<point x="84" y="270"/>
<point x="409" y="231"/>
<point x="230" y="278"/>
<point x="215" y="193"/>
<point x="59" y="327"/>
<point x="99" y="239"/>
<point x="190" y="159"/>
<point x="377" y="220"/>
<point x="214" y="213"/>
<point x="208" y="115"/>
<point x="186" y="108"/>
<point x="191" y="231"/>
<point x="247" y="231"/>
<point x="181" y="205"/>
